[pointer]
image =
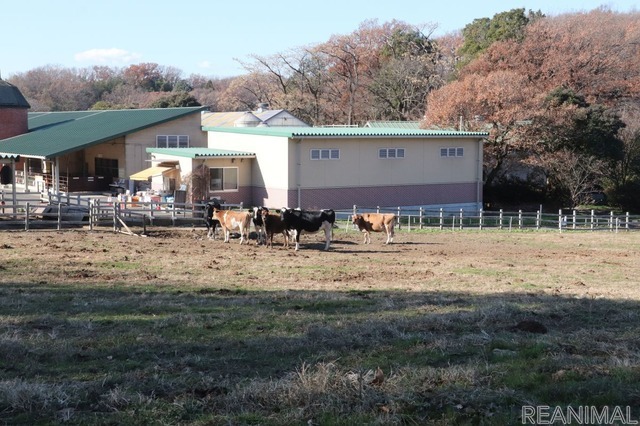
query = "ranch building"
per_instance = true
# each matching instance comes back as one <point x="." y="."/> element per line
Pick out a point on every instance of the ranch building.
<point x="336" y="167"/>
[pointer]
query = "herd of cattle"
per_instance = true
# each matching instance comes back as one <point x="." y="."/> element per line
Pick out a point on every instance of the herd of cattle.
<point x="291" y="223"/>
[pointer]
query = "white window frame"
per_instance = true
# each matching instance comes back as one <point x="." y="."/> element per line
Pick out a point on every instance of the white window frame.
<point x="172" y="141"/>
<point x="391" y="153"/>
<point x="316" y="154"/>
<point x="225" y="172"/>
<point x="451" y="151"/>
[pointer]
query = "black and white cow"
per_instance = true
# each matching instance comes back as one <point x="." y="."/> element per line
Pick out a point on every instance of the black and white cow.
<point x="209" y="220"/>
<point x="310" y="221"/>
<point x="258" y="225"/>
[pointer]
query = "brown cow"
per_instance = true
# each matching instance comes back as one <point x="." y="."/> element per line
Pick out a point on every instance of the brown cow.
<point x="375" y="222"/>
<point x="272" y="224"/>
<point x="234" y="220"/>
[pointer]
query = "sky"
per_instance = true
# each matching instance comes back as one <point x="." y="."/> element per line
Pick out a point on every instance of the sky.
<point x="211" y="37"/>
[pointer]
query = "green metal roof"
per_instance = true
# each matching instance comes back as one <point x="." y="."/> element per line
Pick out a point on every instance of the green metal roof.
<point x="52" y="134"/>
<point x="199" y="152"/>
<point x="394" y="124"/>
<point x="342" y="132"/>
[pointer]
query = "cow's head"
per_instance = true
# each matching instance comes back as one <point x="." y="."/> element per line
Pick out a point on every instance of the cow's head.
<point x="264" y="212"/>
<point x="285" y="212"/>
<point x="356" y="218"/>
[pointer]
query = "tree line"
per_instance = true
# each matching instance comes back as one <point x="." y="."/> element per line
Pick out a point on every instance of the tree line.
<point x="558" y="95"/>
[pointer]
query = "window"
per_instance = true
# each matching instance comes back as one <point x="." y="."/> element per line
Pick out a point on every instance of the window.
<point x="325" y="154"/>
<point x="172" y="141"/>
<point x="223" y="179"/>
<point x="390" y="153"/>
<point x="452" y="152"/>
<point x="106" y="167"/>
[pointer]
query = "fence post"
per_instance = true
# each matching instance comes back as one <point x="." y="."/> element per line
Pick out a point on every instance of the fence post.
<point x="611" y="222"/>
<point x="453" y="222"/>
<point x="441" y="218"/>
<point x="480" y="219"/>
<point x="574" y="219"/>
<point x="59" y="216"/>
<point x="421" y="214"/>
<point x="115" y="216"/>
<point x="399" y="221"/>
<point x="626" y="222"/>
<point x="355" y="209"/>
<point x="26" y="216"/>
<point x="378" y="211"/>
<point x="538" y="219"/>
<point x="92" y="203"/>
<point x="461" y="216"/>
<point x="592" y="218"/>
<point x="560" y="220"/>
<point x="519" y="219"/>
<point x="500" y="219"/>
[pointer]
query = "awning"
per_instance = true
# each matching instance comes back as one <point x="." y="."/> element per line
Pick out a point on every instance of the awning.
<point x="147" y="173"/>
<point x="5" y="156"/>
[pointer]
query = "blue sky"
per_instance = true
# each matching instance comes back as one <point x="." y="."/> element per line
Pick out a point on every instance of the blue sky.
<point x="206" y="37"/>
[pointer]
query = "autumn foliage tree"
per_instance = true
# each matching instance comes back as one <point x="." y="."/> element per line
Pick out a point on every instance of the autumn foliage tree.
<point x="590" y="56"/>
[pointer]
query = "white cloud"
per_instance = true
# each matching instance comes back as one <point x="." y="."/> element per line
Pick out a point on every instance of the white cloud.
<point x="106" y="56"/>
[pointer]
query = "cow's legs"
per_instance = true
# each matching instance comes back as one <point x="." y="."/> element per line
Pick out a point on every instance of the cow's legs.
<point x="327" y="234"/>
<point x="296" y="237"/>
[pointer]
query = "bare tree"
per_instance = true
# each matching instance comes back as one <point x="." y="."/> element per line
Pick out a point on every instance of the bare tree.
<point x="574" y="175"/>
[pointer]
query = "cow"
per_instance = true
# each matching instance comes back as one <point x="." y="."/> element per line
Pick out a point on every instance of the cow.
<point x="258" y="225"/>
<point x="209" y="221"/>
<point x="233" y="220"/>
<point x="310" y="221"/>
<point x="375" y="222"/>
<point x="273" y="225"/>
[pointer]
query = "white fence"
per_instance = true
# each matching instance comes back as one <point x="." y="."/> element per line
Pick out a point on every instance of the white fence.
<point x="563" y="220"/>
<point x="32" y="210"/>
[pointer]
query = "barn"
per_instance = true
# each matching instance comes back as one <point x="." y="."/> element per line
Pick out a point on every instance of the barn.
<point x="337" y="167"/>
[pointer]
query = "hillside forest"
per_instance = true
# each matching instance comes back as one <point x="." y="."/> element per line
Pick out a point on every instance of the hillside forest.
<point x="559" y="95"/>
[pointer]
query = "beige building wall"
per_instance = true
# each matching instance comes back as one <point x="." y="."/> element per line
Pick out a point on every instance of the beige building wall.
<point x="268" y="168"/>
<point x="359" y="164"/>
<point x="136" y="156"/>
<point x="114" y="149"/>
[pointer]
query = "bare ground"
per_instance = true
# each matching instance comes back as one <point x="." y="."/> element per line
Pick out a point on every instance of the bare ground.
<point x="466" y="325"/>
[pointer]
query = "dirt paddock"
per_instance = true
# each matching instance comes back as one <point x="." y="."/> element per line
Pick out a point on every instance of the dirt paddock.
<point x="595" y="264"/>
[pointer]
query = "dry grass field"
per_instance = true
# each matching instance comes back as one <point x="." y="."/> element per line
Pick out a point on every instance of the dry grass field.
<point x="441" y="327"/>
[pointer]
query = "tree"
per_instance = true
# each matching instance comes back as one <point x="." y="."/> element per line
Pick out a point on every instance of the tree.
<point x="408" y="71"/>
<point x="496" y="103"/>
<point x="174" y="100"/>
<point x="560" y="83"/>
<point x="53" y="88"/>
<point x="483" y="32"/>
<point x="573" y="176"/>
